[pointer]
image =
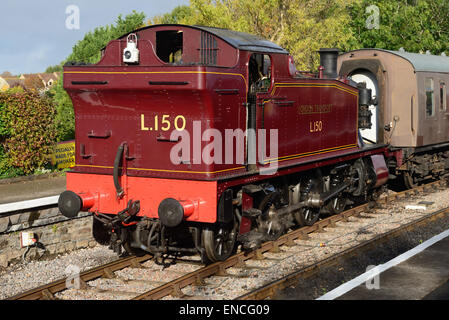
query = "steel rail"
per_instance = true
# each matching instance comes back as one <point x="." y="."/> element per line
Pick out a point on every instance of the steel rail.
<point x="46" y="292"/>
<point x="270" y="289"/>
<point x="174" y="288"/>
<point x="197" y="277"/>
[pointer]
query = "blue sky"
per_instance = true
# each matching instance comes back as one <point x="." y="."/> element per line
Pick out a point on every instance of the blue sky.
<point x="33" y="33"/>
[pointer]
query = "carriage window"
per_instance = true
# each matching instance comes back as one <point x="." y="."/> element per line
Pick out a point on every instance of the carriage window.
<point x="259" y="73"/>
<point x="443" y="100"/>
<point x="169" y="46"/>
<point x="430" y="101"/>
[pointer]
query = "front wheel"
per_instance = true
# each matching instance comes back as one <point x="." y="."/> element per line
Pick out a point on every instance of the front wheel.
<point x="307" y="216"/>
<point x="337" y="205"/>
<point x="220" y="241"/>
<point x="126" y="236"/>
<point x="410" y="180"/>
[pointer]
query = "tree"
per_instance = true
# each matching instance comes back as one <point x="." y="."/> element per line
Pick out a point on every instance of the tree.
<point x="301" y="27"/>
<point x="416" y="26"/>
<point x="88" y="50"/>
<point x="179" y="15"/>
<point x="6" y="74"/>
<point x="65" y="115"/>
<point x="55" y="68"/>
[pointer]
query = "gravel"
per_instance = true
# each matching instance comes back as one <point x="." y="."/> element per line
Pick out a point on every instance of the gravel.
<point x="318" y="247"/>
<point x="132" y="281"/>
<point x="25" y="276"/>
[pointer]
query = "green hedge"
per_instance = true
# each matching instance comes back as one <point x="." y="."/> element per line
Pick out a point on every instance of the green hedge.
<point x="65" y="115"/>
<point x="27" y="132"/>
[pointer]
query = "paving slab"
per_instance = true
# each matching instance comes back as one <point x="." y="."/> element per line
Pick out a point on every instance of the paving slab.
<point x="27" y="190"/>
<point x="423" y="276"/>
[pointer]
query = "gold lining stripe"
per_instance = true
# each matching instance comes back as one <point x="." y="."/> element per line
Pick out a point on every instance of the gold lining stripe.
<point x="285" y="158"/>
<point x="159" y="72"/>
<point x="161" y="170"/>
<point x="311" y="85"/>
<point x="313" y="152"/>
<point x="308" y="154"/>
<point x="275" y="86"/>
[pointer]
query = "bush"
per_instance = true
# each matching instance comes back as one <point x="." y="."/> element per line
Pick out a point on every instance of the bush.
<point x="87" y="50"/>
<point x="27" y="131"/>
<point x="65" y="115"/>
<point x="6" y="170"/>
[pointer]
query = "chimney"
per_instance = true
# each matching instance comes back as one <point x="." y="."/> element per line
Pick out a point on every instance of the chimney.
<point x="328" y="59"/>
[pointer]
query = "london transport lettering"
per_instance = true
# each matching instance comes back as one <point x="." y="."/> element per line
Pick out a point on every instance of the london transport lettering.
<point x="315" y="126"/>
<point x="314" y="109"/>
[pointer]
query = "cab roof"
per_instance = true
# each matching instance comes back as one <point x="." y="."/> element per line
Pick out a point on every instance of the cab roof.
<point x="239" y="40"/>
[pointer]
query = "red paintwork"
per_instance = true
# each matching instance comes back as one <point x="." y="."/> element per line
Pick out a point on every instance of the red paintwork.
<point x="311" y="164"/>
<point x="197" y="197"/>
<point x="109" y="114"/>
<point x="380" y="168"/>
<point x="188" y="206"/>
<point x="88" y="200"/>
<point x="398" y="155"/>
<point x="247" y="203"/>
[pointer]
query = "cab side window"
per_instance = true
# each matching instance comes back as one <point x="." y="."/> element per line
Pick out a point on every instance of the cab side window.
<point x="259" y="73"/>
<point x="169" y="45"/>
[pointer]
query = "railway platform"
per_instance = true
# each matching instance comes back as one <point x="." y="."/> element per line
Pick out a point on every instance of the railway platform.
<point x="39" y="187"/>
<point x="421" y="273"/>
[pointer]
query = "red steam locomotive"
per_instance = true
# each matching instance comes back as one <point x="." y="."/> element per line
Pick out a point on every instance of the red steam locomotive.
<point x="195" y="139"/>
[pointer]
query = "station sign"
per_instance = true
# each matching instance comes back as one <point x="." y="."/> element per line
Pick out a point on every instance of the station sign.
<point x="64" y="154"/>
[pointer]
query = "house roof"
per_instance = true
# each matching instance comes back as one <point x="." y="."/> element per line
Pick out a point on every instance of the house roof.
<point x="13" y="81"/>
<point x="26" y="75"/>
<point x="48" y="76"/>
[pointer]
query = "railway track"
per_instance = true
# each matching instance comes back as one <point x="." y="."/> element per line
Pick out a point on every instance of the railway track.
<point x="200" y="276"/>
<point x="46" y="292"/>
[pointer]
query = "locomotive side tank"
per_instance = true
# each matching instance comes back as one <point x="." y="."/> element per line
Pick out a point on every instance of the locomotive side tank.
<point x="411" y="107"/>
<point x="192" y="139"/>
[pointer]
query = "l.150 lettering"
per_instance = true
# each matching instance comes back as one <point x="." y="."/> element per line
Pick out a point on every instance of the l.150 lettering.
<point x="316" y="126"/>
<point x="163" y="122"/>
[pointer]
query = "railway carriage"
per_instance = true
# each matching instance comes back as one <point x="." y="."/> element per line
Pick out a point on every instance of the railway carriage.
<point x="410" y="111"/>
<point x="196" y="139"/>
